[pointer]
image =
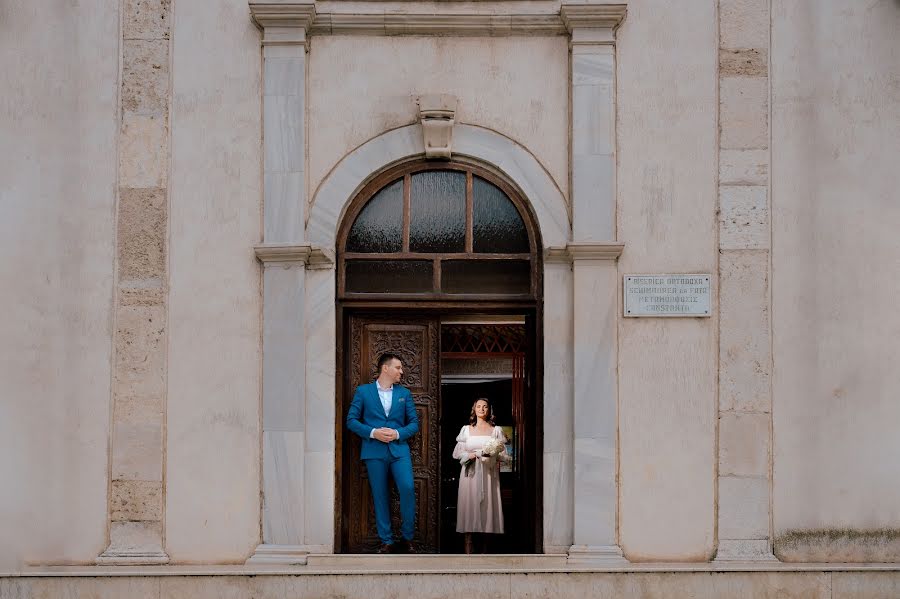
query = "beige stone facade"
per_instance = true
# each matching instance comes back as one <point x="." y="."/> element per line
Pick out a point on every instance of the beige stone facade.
<point x="173" y="178"/>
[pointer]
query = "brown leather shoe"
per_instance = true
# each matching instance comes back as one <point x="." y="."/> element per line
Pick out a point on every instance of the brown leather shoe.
<point x="385" y="548"/>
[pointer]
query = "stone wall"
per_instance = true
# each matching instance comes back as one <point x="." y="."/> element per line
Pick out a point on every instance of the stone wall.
<point x="745" y="404"/>
<point x="213" y="415"/>
<point x="131" y="295"/>
<point x="494" y="80"/>
<point x="57" y="241"/>
<point x="666" y="217"/>
<point x="835" y="252"/>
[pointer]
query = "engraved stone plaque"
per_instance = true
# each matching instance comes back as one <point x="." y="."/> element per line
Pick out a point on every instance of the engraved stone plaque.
<point x="667" y="295"/>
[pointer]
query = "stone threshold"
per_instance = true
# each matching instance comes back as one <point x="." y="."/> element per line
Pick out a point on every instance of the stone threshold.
<point x="330" y="564"/>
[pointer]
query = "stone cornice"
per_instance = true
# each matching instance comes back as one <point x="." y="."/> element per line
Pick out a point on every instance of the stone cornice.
<point x="586" y="250"/>
<point x="289" y="21"/>
<point x="283" y="22"/>
<point x="557" y="255"/>
<point x="286" y="254"/>
<point x="275" y="13"/>
<point x="595" y="250"/>
<point x="592" y="16"/>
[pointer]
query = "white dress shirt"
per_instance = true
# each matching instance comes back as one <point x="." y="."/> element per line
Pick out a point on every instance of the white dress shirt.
<point x="387" y="398"/>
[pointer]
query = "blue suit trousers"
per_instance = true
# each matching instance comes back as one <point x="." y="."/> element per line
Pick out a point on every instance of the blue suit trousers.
<point x="400" y="468"/>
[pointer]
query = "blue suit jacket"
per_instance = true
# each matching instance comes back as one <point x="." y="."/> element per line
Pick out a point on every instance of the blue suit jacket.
<point x="366" y="413"/>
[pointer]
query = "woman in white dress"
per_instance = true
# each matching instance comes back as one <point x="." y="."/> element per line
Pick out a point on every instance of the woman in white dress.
<point x="478" y="508"/>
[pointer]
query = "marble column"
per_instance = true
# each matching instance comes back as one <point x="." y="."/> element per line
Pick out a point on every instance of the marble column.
<point x="558" y="394"/>
<point x="593" y="252"/>
<point x="284" y="256"/>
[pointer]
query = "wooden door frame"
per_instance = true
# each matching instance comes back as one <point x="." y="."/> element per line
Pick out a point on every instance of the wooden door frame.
<point x="534" y="314"/>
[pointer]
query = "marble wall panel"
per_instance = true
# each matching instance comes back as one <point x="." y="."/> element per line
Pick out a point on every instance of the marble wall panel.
<point x="284" y="348"/>
<point x="319" y="497"/>
<point x="283" y="482"/>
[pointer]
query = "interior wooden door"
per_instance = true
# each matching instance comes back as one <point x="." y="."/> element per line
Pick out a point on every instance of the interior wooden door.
<point x="417" y="341"/>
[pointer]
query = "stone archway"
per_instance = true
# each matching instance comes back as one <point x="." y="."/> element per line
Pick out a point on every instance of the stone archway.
<point x="484" y="145"/>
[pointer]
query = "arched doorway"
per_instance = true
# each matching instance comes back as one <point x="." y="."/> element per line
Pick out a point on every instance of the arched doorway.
<point x="441" y="263"/>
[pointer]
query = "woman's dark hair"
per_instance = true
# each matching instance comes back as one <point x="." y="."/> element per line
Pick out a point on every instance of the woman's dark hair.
<point x="473" y="419"/>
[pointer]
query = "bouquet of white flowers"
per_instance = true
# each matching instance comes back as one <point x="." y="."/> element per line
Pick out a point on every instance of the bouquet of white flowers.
<point x="492" y="448"/>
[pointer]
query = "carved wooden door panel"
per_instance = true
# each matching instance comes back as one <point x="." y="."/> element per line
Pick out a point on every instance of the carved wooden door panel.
<point x="416" y="341"/>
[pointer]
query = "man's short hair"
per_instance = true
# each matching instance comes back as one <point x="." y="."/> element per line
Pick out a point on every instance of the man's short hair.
<point x="386" y="358"/>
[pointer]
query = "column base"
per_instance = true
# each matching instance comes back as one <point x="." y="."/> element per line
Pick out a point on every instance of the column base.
<point x="745" y="550"/>
<point x="134" y="543"/>
<point x="595" y="555"/>
<point x="283" y="555"/>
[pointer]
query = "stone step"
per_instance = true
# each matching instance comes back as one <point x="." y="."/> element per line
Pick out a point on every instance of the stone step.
<point x="435" y="562"/>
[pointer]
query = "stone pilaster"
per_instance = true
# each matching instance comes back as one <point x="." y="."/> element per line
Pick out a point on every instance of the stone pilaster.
<point x="595" y="364"/>
<point x="285" y="258"/>
<point x="745" y="411"/>
<point x="137" y="448"/>
<point x="594" y="251"/>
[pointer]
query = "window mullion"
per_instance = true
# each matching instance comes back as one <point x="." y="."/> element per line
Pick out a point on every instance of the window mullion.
<point x="436" y="273"/>
<point x="406" y="203"/>
<point x="469" y="214"/>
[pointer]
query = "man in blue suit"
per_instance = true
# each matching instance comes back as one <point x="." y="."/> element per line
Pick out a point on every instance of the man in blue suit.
<point x="383" y="414"/>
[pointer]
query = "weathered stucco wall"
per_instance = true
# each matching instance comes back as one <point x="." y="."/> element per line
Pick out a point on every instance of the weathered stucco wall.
<point x="57" y="206"/>
<point x="836" y="251"/>
<point x="667" y="134"/>
<point x="212" y="499"/>
<point x="360" y="87"/>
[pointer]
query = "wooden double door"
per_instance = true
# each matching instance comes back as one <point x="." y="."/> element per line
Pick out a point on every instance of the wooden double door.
<point x="416" y="339"/>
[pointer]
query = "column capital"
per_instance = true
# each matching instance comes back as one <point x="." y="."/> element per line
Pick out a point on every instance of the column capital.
<point x="288" y="254"/>
<point x="592" y="23"/>
<point x="284" y="23"/>
<point x="601" y="250"/>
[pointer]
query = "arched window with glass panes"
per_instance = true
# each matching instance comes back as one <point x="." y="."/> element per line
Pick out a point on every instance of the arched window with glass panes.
<point x="442" y="231"/>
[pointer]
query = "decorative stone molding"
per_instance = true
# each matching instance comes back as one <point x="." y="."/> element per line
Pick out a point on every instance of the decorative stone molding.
<point x="301" y="17"/>
<point x="436" y="113"/>
<point x="592" y="23"/>
<point x="608" y="250"/>
<point x="286" y="254"/>
<point x="456" y="24"/>
<point x="283" y="23"/>
<point x="557" y="255"/>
